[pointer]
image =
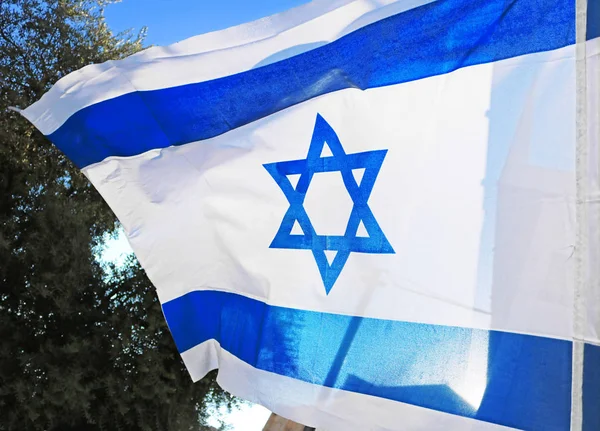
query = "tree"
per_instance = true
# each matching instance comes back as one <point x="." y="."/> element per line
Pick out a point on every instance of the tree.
<point x="80" y="348"/>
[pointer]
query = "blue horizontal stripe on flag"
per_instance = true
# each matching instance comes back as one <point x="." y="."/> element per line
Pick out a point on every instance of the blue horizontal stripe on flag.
<point x="593" y="19"/>
<point x="527" y="384"/>
<point x="430" y="40"/>
<point x="591" y="388"/>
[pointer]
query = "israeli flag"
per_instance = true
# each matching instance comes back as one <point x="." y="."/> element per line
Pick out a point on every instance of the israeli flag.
<point x="369" y="215"/>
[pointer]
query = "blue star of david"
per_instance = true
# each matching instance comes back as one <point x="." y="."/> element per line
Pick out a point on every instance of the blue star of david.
<point x="371" y="161"/>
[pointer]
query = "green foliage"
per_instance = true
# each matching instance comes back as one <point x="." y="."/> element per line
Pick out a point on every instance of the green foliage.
<point x="78" y="350"/>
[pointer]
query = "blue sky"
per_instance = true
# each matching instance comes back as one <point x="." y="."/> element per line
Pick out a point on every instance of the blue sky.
<point x="170" y="21"/>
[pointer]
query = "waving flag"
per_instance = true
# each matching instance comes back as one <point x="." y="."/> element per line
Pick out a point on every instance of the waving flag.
<point x="369" y="215"/>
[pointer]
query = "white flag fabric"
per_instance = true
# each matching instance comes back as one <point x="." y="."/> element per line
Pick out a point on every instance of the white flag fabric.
<point x="369" y="215"/>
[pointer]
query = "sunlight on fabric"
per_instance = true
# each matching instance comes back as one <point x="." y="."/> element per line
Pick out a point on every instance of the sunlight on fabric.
<point x="464" y="371"/>
<point x="471" y="387"/>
